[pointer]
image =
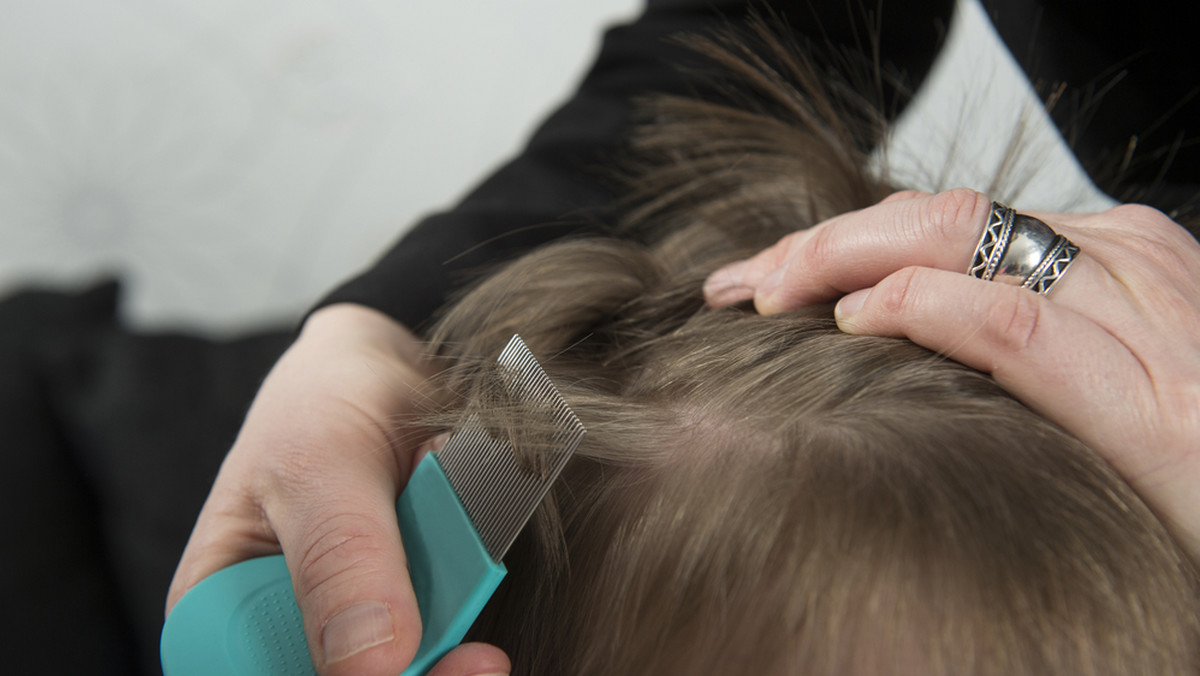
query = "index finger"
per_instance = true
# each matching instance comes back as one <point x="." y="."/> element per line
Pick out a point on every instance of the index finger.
<point x="847" y="253"/>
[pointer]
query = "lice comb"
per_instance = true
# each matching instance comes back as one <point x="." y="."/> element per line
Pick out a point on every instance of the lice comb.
<point x="459" y="513"/>
<point x="498" y="491"/>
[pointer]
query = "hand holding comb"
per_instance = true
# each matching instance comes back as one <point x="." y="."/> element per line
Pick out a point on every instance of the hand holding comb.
<point x="461" y="510"/>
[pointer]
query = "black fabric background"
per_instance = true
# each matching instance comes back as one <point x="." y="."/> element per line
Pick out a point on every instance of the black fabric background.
<point x="111" y="440"/>
<point x="1131" y="75"/>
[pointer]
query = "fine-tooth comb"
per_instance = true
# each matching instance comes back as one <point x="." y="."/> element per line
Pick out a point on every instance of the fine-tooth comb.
<point x="464" y="504"/>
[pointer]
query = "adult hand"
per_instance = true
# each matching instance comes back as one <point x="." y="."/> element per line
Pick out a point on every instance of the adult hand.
<point x="1112" y="354"/>
<point x="314" y="473"/>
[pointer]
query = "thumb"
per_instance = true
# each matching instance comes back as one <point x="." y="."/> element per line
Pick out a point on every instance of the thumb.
<point x="350" y="576"/>
<point x="473" y="659"/>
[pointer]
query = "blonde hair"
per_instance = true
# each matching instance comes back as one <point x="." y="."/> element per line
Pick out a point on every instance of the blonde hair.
<point x="769" y="495"/>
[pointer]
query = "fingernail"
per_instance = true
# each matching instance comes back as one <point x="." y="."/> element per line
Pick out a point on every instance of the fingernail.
<point x="723" y="278"/>
<point x="353" y="630"/>
<point x="724" y="287"/>
<point x="735" y="294"/>
<point x="850" y="305"/>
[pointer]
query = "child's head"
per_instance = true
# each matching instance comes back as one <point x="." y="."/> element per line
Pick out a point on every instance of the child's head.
<point x="769" y="495"/>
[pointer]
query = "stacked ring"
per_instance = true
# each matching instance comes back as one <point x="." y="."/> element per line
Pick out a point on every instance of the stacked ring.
<point x="1021" y="250"/>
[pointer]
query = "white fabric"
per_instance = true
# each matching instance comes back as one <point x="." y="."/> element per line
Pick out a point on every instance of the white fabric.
<point x="974" y="109"/>
<point x="232" y="160"/>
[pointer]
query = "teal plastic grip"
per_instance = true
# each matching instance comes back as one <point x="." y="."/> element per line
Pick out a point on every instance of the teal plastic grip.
<point x="244" y="621"/>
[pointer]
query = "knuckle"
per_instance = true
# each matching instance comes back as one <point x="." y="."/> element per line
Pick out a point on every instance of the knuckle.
<point x="954" y="211"/>
<point x="821" y="250"/>
<point x="898" y="293"/>
<point x="1014" y="317"/>
<point x="292" y="470"/>
<point x="337" y="548"/>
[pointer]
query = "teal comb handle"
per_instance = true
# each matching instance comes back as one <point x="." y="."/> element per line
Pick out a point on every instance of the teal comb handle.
<point x="244" y="621"/>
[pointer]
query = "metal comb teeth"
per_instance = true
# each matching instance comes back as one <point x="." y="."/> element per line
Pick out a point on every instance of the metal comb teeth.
<point x="498" y="489"/>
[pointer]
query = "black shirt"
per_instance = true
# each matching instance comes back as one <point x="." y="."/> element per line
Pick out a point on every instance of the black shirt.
<point x="1127" y="71"/>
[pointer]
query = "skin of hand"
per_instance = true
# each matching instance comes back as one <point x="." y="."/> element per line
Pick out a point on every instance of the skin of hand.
<point x="314" y="473"/>
<point x="1112" y="354"/>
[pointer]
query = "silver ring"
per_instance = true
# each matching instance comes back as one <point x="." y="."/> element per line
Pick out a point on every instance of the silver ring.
<point x="1021" y="250"/>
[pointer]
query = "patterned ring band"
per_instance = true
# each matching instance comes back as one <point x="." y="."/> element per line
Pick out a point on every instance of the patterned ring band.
<point x="1021" y="250"/>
